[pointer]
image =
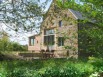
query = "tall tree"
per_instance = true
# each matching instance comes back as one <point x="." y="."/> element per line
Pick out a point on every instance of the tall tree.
<point x="92" y="12"/>
<point x="21" y="14"/>
<point x="4" y="41"/>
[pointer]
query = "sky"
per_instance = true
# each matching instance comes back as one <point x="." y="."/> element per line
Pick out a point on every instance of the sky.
<point x="21" y="38"/>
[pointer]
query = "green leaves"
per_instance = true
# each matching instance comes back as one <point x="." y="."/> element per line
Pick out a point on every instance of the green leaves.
<point x="90" y="36"/>
<point x="51" y="68"/>
<point x="21" y="15"/>
<point x="7" y="45"/>
<point x="94" y="13"/>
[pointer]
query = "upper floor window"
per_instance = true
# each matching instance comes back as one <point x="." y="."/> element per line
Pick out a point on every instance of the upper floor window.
<point x="31" y="41"/>
<point x="49" y="37"/>
<point x="48" y="32"/>
<point x="66" y="15"/>
<point x="60" y="23"/>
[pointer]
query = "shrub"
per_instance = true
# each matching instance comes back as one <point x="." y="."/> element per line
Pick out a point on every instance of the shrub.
<point x="85" y="69"/>
<point x="3" y="72"/>
<point x="96" y="62"/>
<point x="68" y="69"/>
<point x="23" y="72"/>
<point x="50" y="68"/>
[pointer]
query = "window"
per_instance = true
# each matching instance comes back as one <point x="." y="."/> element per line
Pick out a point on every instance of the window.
<point x="49" y="40"/>
<point x="48" y="32"/>
<point x="49" y="37"/>
<point x="60" y="41"/>
<point x="60" y="23"/>
<point x="66" y="15"/>
<point x="32" y="39"/>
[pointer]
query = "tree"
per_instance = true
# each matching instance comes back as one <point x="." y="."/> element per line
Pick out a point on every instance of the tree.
<point x="4" y="41"/>
<point x="93" y="13"/>
<point x="21" y="14"/>
<point x="7" y="45"/>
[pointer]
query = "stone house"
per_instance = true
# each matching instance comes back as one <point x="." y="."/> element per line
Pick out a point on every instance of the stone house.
<point x="59" y="32"/>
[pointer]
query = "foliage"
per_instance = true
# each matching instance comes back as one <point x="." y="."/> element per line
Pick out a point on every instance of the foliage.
<point x="18" y="47"/>
<point x="4" y="41"/>
<point x="98" y="62"/>
<point x="23" y="72"/>
<point x="7" y="45"/>
<point x="48" y="68"/>
<point x="98" y="65"/>
<point x="90" y="39"/>
<point x="3" y="72"/>
<point x="21" y="15"/>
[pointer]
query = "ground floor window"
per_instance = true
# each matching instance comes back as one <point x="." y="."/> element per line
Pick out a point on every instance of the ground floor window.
<point x="31" y="41"/>
<point x="49" y="40"/>
<point x="60" y="41"/>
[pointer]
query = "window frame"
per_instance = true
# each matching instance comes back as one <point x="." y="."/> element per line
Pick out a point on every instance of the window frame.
<point x="48" y="36"/>
<point x="60" y="23"/>
<point x="31" y="41"/>
<point x="47" y="32"/>
<point x="60" y="41"/>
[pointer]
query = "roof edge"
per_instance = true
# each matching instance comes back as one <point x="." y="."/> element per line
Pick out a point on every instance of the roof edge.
<point x="73" y="14"/>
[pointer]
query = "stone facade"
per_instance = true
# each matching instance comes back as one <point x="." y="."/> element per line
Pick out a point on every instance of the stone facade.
<point x="64" y="23"/>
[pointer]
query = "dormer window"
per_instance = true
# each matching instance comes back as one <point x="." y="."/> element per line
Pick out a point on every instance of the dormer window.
<point x="60" y="23"/>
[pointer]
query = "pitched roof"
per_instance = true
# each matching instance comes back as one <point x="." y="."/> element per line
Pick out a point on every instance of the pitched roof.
<point x="76" y="14"/>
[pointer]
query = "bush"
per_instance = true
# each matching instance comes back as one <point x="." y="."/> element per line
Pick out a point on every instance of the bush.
<point x="96" y="62"/>
<point x="59" y="72"/>
<point x="50" y="68"/>
<point x="23" y="72"/>
<point x="68" y="69"/>
<point x="3" y="72"/>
